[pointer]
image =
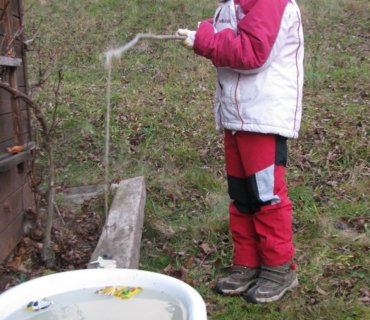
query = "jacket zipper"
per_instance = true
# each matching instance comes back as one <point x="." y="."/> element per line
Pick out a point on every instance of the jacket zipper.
<point x="237" y="102"/>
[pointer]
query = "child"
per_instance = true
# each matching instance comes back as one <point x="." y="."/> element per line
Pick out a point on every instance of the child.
<point x="257" y="47"/>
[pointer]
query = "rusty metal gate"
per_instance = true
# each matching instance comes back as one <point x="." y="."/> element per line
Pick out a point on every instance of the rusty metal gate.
<point x="15" y="191"/>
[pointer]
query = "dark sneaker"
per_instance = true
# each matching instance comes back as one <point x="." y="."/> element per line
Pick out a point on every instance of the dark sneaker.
<point x="272" y="283"/>
<point x="238" y="281"/>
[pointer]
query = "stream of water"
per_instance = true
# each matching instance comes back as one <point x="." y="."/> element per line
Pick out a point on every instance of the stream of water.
<point x="109" y="56"/>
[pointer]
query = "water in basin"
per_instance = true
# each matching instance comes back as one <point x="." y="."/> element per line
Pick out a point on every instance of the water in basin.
<point x="85" y="304"/>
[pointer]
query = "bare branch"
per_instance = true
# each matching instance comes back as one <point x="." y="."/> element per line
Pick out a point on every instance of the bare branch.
<point x="15" y="36"/>
<point x="37" y="111"/>
<point x="43" y="77"/>
<point x="56" y="100"/>
<point x="117" y="53"/>
<point x="30" y="41"/>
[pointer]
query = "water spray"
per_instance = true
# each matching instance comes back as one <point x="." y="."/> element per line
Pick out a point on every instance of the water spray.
<point x="109" y="56"/>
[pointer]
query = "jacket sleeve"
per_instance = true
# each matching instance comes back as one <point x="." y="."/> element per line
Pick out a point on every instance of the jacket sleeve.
<point x="251" y="46"/>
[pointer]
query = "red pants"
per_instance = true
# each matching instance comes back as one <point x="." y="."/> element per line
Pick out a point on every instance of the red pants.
<point x="260" y="210"/>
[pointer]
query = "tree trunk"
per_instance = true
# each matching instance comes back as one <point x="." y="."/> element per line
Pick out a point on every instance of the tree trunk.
<point x="47" y="253"/>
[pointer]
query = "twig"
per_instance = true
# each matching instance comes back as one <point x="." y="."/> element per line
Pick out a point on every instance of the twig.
<point x="59" y="214"/>
<point x="43" y="77"/>
<point x="30" y="41"/>
<point x="15" y="36"/>
<point x="117" y="53"/>
<point x="56" y="100"/>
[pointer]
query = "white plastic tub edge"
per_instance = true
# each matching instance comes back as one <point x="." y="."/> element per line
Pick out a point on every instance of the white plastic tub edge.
<point x="46" y="286"/>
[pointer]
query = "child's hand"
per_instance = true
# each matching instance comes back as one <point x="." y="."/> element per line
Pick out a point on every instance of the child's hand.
<point x="190" y="37"/>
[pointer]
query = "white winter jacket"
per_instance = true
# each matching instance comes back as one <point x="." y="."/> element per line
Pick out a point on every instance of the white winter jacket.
<point x="257" y="47"/>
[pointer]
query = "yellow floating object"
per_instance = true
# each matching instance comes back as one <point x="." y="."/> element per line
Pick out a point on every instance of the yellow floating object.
<point x="120" y="292"/>
<point x="127" y="292"/>
<point x="107" y="291"/>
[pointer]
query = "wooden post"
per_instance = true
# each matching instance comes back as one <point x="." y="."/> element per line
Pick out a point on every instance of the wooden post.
<point x="10" y="52"/>
<point x="15" y="192"/>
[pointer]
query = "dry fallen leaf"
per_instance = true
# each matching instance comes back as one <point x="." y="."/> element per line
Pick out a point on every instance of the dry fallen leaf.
<point x="14" y="264"/>
<point x="321" y="291"/>
<point x="15" y="149"/>
<point x="365" y="292"/>
<point x="206" y="248"/>
<point x="364" y="299"/>
<point x="189" y="262"/>
<point x="168" y="269"/>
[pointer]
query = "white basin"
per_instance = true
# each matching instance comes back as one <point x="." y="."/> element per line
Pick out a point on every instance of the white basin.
<point x="15" y="299"/>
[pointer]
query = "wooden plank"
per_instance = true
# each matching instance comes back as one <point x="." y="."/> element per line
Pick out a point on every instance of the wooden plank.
<point x="10" y="28"/>
<point x="6" y="125"/>
<point x="23" y="90"/>
<point x="11" y="181"/>
<point x="10" y="143"/>
<point x="16" y="111"/>
<point x="22" y="103"/>
<point x="6" y="26"/>
<point x="5" y="97"/>
<point x="15" y="6"/>
<point x="23" y="47"/>
<point x="15" y="24"/>
<point x="10" y="237"/>
<point x="17" y="46"/>
<point x="10" y="62"/>
<point x="12" y="206"/>
<point x="16" y="11"/>
<point x="28" y="146"/>
<point x="20" y="78"/>
<point x="12" y="160"/>
<point x="15" y="193"/>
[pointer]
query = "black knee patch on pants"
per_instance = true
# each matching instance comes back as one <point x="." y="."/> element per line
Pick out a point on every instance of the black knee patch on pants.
<point x="244" y="193"/>
<point x="281" y="151"/>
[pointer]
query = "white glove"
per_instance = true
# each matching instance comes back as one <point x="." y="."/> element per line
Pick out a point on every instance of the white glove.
<point x="105" y="263"/>
<point x="190" y="37"/>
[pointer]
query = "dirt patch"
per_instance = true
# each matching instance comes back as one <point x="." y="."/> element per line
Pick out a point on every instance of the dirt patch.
<point x="359" y="224"/>
<point x="75" y="234"/>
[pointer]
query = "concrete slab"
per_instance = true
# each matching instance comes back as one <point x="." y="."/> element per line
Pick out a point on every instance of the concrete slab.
<point x="78" y="195"/>
<point x="121" y="236"/>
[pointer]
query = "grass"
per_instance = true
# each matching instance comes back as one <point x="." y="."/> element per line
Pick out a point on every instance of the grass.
<point x="162" y="128"/>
